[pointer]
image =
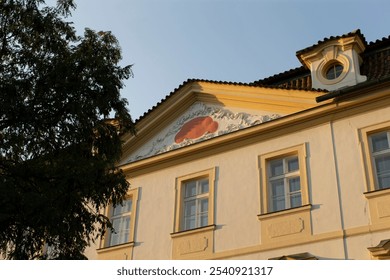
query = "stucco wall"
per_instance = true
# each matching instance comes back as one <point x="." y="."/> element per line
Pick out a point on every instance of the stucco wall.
<point x="336" y="183"/>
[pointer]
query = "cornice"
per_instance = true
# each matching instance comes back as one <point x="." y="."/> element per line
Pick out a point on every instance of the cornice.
<point x="281" y="101"/>
<point x="289" y="124"/>
<point x="309" y="55"/>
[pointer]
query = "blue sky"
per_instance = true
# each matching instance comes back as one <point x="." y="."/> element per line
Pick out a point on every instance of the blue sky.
<point x="170" y="41"/>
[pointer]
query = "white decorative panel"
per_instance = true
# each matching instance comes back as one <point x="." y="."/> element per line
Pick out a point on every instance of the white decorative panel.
<point x="201" y="122"/>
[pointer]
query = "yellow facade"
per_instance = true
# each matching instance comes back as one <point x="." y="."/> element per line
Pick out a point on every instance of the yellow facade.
<point x="264" y="171"/>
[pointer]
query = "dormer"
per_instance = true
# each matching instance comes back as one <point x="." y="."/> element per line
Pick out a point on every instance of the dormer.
<point x="335" y="62"/>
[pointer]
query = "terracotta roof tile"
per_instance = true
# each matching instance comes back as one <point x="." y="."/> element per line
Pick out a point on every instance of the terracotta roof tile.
<point x="376" y="64"/>
<point x="350" y="34"/>
<point x="259" y="85"/>
<point x="298" y="78"/>
<point x="376" y="60"/>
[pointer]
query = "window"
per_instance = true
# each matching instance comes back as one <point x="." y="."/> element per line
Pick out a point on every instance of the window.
<point x="376" y="153"/>
<point x="284" y="181"/>
<point x="194" y="203"/>
<point x="334" y="71"/>
<point x="331" y="71"/>
<point x="380" y="153"/>
<point x="120" y="219"/>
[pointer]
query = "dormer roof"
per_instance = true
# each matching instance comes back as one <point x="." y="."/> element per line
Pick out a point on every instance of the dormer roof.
<point x="359" y="37"/>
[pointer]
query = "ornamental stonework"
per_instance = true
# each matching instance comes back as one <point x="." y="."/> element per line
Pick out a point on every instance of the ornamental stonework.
<point x="200" y="123"/>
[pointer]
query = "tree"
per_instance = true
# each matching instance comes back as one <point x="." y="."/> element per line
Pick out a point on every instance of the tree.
<point x="58" y="147"/>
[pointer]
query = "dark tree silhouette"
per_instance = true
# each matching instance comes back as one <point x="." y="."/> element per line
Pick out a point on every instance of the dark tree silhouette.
<point x="58" y="147"/>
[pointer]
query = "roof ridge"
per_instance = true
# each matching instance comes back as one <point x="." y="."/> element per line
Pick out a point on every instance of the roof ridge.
<point x="327" y="39"/>
<point x="286" y="73"/>
<point x="378" y="43"/>
<point x="379" y="40"/>
<point x="192" y="80"/>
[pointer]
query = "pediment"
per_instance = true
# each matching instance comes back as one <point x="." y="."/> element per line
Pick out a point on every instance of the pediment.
<point x="201" y="122"/>
<point x="202" y="110"/>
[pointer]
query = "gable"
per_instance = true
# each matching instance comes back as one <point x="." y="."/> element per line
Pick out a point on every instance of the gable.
<point x="204" y="110"/>
<point x="200" y="122"/>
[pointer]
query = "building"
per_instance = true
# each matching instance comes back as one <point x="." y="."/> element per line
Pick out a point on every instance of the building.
<point x="294" y="166"/>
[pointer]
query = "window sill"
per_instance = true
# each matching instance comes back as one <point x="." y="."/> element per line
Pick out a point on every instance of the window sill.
<point x="193" y="231"/>
<point x="376" y="193"/>
<point x="285" y="212"/>
<point x="115" y="247"/>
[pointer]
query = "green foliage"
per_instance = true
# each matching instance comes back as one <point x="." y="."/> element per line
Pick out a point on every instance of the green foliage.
<point x="58" y="149"/>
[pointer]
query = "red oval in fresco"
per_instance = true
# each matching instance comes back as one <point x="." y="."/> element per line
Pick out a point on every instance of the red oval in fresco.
<point x="196" y="128"/>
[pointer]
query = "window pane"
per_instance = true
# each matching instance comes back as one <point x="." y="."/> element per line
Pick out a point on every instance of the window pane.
<point x="120" y="209"/>
<point x="382" y="164"/>
<point x="276" y="167"/>
<point x="204" y="220"/>
<point x="278" y="195"/>
<point x="114" y="238"/>
<point x="334" y="71"/>
<point x="204" y="186"/>
<point x="204" y="205"/>
<point x="189" y="223"/>
<point x="127" y="206"/>
<point x="121" y="230"/>
<point x="295" y="200"/>
<point x="379" y="142"/>
<point x="338" y="69"/>
<point x="190" y="208"/>
<point x="196" y="204"/>
<point x="293" y="164"/>
<point x="277" y="188"/>
<point x="124" y="230"/>
<point x="190" y="189"/>
<point x="278" y="203"/>
<point x="295" y="184"/>
<point x="384" y="181"/>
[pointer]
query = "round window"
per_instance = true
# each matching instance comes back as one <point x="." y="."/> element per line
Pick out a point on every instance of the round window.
<point x="334" y="71"/>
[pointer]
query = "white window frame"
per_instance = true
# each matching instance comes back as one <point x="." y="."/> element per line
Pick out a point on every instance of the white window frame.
<point x="107" y="240"/>
<point x="121" y="232"/>
<point x="298" y="151"/>
<point x="181" y="199"/>
<point x="378" y="154"/>
<point x="197" y="199"/>
<point x="369" y="155"/>
<point x="285" y="177"/>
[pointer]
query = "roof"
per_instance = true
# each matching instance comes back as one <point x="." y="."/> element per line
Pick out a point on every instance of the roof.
<point x="375" y="65"/>
<point x="376" y="60"/>
<point x="298" y="78"/>
<point x="331" y="38"/>
<point x="189" y="81"/>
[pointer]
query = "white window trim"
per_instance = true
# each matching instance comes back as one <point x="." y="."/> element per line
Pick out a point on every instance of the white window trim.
<point x="133" y="195"/>
<point x="374" y="155"/>
<point x="300" y="152"/>
<point x="197" y="198"/>
<point x="286" y="176"/>
<point x="122" y="232"/>
<point x="368" y="157"/>
<point x="180" y="189"/>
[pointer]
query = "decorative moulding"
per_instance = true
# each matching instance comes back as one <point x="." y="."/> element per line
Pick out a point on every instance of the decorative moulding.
<point x="343" y="51"/>
<point x="201" y="122"/>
